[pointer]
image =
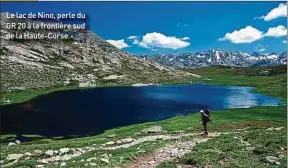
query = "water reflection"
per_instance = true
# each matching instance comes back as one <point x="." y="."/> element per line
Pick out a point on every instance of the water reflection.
<point x="242" y="97"/>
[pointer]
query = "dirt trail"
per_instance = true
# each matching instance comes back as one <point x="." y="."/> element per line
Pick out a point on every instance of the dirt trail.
<point x="175" y="150"/>
<point x="148" y="139"/>
<point x="170" y="152"/>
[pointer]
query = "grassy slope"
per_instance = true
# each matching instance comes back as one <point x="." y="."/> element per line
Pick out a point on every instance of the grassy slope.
<point x="225" y="120"/>
<point x="256" y="117"/>
<point x="274" y="83"/>
<point x="226" y="150"/>
<point x="17" y="97"/>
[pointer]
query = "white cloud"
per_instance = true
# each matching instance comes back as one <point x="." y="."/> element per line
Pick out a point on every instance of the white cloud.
<point x="131" y="37"/>
<point x="280" y="11"/>
<point x="245" y="35"/>
<point x="278" y="31"/>
<point x="284" y="41"/>
<point x="262" y="49"/>
<point x="118" y="43"/>
<point x="135" y="41"/>
<point x="158" y="40"/>
<point x="259" y="17"/>
<point x="185" y="38"/>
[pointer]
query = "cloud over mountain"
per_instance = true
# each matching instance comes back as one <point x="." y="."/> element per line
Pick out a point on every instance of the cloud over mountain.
<point x="131" y="37"/>
<point x="158" y="40"/>
<point x="248" y="34"/>
<point x="118" y="43"/>
<point x="278" y="31"/>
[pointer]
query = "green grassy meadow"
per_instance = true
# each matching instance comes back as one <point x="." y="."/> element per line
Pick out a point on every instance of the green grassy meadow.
<point x="223" y="151"/>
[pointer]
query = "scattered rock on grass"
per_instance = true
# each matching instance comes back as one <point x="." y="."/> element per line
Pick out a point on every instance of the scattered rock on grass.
<point x="272" y="159"/>
<point x="44" y="161"/>
<point x="281" y="156"/>
<point x="105" y="155"/>
<point x="93" y="164"/>
<point x="105" y="160"/>
<point x="64" y="150"/>
<point x="270" y="129"/>
<point x="127" y="140"/>
<point x="49" y="152"/>
<point x="250" y="148"/>
<point x="67" y="157"/>
<point x="28" y="154"/>
<point x="37" y="152"/>
<point x="18" y="142"/>
<point x="110" y="143"/>
<point x="275" y="129"/>
<point x="63" y="164"/>
<point x="90" y="159"/>
<point x="278" y="128"/>
<point x="153" y="129"/>
<point x="228" y="159"/>
<point x="111" y="136"/>
<point x="11" y="144"/>
<point x="12" y="157"/>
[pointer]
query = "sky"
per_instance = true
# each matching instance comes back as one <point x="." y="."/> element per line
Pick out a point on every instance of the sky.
<point x="177" y="27"/>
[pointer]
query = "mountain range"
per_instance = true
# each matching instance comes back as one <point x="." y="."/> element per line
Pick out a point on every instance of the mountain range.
<point x="217" y="57"/>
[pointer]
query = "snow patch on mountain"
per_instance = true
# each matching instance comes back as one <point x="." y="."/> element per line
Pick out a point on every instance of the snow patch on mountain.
<point x="218" y="57"/>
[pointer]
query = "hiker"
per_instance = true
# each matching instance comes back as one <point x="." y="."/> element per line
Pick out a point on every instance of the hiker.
<point x="205" y="119"/>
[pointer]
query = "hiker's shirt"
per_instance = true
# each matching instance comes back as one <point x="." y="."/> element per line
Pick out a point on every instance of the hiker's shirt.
<point x="205" y="118"/>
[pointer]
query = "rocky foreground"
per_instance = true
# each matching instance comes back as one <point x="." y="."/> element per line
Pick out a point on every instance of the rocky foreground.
<point x="176" y="146"/>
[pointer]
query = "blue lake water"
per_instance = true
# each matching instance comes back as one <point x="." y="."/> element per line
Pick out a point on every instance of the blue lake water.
<point x="77" y="112"/>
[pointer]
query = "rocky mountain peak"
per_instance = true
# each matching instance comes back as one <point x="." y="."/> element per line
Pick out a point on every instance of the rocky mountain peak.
<point x="85" y="60"/>
<point x="256" y="54"/>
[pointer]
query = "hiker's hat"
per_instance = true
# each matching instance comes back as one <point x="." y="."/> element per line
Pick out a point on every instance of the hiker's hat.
<point x="201" y="111"/>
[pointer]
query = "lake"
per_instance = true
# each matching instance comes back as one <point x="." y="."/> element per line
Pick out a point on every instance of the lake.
<point x="78" y="112"/>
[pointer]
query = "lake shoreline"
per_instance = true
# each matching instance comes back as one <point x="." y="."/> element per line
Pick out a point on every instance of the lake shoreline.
<point x="81" y="111"/>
